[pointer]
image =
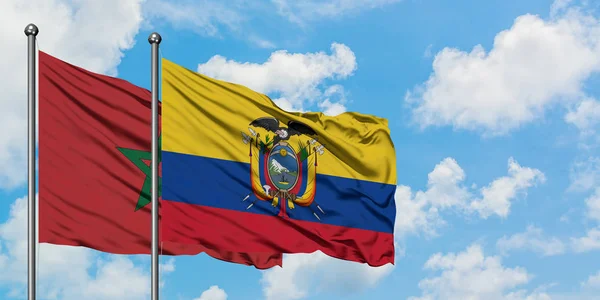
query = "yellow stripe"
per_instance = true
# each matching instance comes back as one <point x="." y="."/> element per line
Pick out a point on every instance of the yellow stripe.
<point x="203" y="116"/>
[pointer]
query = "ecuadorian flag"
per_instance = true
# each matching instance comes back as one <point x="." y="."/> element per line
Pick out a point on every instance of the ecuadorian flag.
<point x="241" y="174"/>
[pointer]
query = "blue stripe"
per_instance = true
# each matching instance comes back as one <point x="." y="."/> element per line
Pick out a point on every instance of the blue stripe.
<point x="224" y="184"/>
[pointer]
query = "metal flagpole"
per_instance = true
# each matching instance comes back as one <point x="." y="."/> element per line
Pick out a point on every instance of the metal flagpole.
<point x="154" y="41"/>
<point x="31" y="32"/>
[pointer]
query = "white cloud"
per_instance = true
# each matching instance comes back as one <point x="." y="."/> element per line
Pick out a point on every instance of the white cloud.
<point x="533" y="65"/>
<point x="559" y="6"/>
<point x="261" y="42"/>
<point x="587" y="243"/>
<point x="585" y="175"/>
<point x="427" y="53"/>
<point x="168" y="266"/>
<point x="446" y="190"/>
<point x="319" y="272"/>
<point x="536" y="295"/>
<point x="214" y="18"/>
<point x="213" y="293"/>
<point x="421" y="211"/>
<point x="591" y="241"/>
<point x="69" y="272"/>
<point x="415" y="214"/>
<point x="118" y="278"/>
<point x="301" y="11"/>
<point x="593" y="206"/>
<point x="202" y="16"/>
<point x="335" y="99"/>
<point x="586" y="116"/>
<point x="331" y="109"/>
<point x="76" y="31"/>
<point x="566" y="217"/>
<point x="593" y="282"/>
<point x="532" y="239"/>
<point x="210" y="18"/>
<point x="472" y="275"/>
<point x="298" y="79"/>
<point x="496" y="196"/>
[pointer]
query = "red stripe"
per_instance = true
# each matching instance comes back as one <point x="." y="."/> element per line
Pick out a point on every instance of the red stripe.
<point x="243" y="231"/>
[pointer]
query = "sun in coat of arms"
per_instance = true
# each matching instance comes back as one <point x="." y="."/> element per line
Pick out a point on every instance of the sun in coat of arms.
<point x="283" y="164"/>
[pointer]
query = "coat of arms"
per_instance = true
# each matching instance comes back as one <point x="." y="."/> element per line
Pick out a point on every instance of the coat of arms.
<point x="283" y="164"/>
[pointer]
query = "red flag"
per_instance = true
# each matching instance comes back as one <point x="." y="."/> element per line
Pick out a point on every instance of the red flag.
<point x="94" y="174"/>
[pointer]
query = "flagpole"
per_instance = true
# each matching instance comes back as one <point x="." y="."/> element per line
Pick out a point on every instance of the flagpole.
<point x="31" y="32"/>
<point x="154" y="39"/>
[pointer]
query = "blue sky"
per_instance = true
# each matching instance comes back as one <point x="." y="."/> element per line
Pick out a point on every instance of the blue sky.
<point x="493" y="109"/>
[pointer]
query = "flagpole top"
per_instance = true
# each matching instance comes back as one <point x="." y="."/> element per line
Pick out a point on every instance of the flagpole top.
<point x="154" y="38"/>
<point x="31" y="29"/>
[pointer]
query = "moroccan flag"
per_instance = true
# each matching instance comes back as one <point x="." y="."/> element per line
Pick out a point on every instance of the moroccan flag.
<point x="94" y="166"/>
<point x="243" y="175"/>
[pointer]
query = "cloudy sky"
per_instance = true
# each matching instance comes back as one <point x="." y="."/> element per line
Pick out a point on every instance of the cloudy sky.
<point x="493" y="108"/>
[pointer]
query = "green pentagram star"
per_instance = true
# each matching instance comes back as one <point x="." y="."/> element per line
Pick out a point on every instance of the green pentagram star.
<point x="137" y="157"/>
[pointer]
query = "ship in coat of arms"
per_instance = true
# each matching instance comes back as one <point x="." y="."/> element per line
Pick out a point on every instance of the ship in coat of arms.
<point x="283" y="164"/>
